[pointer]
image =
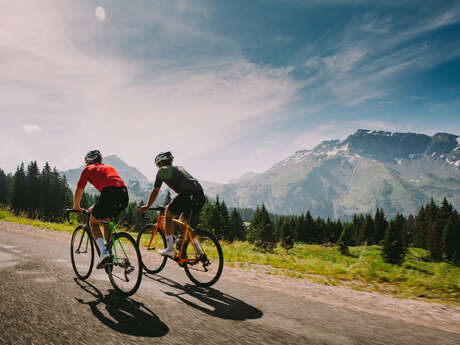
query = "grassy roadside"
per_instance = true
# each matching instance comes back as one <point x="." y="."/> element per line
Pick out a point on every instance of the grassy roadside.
<point x="362" y="270"/>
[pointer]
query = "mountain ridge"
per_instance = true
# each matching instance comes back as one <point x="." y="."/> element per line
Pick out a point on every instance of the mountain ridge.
<point x="398" y="172"/>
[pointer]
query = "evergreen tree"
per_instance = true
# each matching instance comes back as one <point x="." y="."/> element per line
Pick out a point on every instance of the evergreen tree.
<point x="410" y="230"/>
<point x="224" y="218"/>
<point x="33" y="189"/>
<point x="435" y="241"/>
<point x="451" y="239"/>
<point x="344" y="240"/>
<point x="261" y="230"/>
<point x="306" y="231"/>
<point x="380" y="224"/>
<point x="287" y="236"/>
<point x="4" y="188"/>
<point x="19" y="197"/>
<point x="421" y="228"/>
<point x="237" y="226"/>
<point x="393" y="249"/>
<point x="444" y="213"/>
<point x="45" y="192"/>
<point x="366" y="234"/>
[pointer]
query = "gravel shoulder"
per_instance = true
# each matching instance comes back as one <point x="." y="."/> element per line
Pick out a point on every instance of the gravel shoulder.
<point x="434" y="315"/>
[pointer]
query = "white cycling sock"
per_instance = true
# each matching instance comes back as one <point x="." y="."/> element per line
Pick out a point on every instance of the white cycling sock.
<point x="101" y="244"/>
<point x="170" y="242"/>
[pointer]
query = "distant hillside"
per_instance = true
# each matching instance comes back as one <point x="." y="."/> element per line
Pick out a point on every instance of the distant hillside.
<point x="369" y="169"/>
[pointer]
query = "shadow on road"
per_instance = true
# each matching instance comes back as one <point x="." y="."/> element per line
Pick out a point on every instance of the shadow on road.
<point x="123" y="315"/>
<point x="221" y="305"/>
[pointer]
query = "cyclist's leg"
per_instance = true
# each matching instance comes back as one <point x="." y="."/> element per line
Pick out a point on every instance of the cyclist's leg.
<point x="101" y="211"/>
<point x="174" y="208"/>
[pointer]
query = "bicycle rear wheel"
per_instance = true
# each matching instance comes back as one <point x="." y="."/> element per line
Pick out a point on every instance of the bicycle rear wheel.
<point x="82" y="252"/>
<point x="203" y="269"/>
<point x="152" y="261"/>
<point x="125" y="270"/>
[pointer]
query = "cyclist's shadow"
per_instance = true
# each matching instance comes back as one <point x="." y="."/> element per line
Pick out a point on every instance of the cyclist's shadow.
<point x="221" y="305"/>
<point x="127" y="315"/>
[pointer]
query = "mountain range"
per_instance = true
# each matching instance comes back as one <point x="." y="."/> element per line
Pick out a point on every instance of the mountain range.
<point x="398" y="172"/>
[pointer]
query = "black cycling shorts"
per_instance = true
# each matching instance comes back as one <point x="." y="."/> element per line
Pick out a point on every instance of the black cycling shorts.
<point x="111" y="202"/>
<point x="186" y="202"/>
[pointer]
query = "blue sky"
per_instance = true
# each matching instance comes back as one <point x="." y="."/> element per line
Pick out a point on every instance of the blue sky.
<point x="227" y="86"/>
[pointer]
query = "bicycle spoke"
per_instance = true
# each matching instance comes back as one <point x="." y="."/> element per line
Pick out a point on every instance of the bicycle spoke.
<point x="204" y="262"/>
<point x="126" y="267"/>
<point x="149" y="241"/>
<point x="81" y="252"/>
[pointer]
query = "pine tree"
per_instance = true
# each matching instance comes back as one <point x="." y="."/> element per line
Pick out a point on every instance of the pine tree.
<point x="33" y="189"/>
<point x="421" y="228"/>
<point x="261" y="230"/>
<point x="380" y="224"/>
<point x="237" y="226"/>
<point x="393" y="249"/>
<point x="254" y="226"/>
<point x="227" y="235"/>
<point x="45" y="192"/>
<point x="4" y="188"/>
<point x="366" y="231"/>
<point x="344" y="240"/>
<point x="444" y="213"/>
<point x="19" y="197"/>
<point x="435" y="241"/>
<point x="287" y="236"/>
<point x="451" y="239"/>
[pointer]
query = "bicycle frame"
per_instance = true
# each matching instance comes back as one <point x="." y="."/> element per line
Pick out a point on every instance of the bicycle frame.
<point x="112" y="231"/>
<point x="187" y="235"/>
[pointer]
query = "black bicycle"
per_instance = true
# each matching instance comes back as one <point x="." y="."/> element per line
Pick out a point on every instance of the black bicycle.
<point x="125" y="265"/>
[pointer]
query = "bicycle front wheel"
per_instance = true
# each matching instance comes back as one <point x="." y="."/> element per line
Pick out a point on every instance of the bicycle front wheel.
<point x="125" y="269"/>
<point x="204" y="263"/>
<point x="149" y="243"/>
<point x="82" y="252"/>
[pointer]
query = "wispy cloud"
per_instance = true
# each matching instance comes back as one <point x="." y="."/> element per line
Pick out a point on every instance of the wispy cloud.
<point x="370" y="56"/>
<point x="130" y="107"/>
<point x="32" y="128"/>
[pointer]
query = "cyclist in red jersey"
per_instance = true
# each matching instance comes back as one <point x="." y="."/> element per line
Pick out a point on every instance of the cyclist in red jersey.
<point x="113" y="199"/>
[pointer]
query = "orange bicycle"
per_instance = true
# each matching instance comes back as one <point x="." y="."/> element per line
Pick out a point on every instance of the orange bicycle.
<point x="203" y="263"/>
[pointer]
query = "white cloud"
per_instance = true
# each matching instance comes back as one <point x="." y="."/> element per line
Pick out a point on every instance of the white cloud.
<point x="132" y="108"/>
<point x="32" y="128"/>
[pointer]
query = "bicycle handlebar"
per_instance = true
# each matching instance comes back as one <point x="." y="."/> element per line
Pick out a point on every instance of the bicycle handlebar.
<point x="159" y="208"/>
<point x="71" y="210"/>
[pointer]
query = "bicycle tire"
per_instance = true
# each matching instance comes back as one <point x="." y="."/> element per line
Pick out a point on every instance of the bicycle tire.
<point x="152" y="261"/>
<point x="196" y="270"/>
<point x="128" y="262"/>
<point x="82" y="265"/>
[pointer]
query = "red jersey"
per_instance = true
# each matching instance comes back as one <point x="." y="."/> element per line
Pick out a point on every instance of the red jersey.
<point x="100" y="176"/>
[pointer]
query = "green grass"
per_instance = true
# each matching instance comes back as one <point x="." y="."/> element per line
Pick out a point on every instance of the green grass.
<point x="363" y="270"/>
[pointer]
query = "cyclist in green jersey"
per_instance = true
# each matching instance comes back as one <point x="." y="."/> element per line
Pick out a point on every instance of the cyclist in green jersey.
<point x="189" y="198"/>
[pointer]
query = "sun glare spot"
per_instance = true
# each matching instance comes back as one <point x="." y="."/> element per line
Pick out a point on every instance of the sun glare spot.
<point x="100" y="13"/>
<point x="31" y="128"/>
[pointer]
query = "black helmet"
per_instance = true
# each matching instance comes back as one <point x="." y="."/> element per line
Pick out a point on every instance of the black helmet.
<point x="93" y="156"/>
<point x="164" y="157"/>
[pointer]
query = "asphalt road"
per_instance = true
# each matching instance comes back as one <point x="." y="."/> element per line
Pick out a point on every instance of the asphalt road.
<point x="43" y="303"/>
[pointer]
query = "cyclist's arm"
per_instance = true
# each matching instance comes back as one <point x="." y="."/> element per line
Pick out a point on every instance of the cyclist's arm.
<point x="77" y="198"/>
<point x="153" y="196"/>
